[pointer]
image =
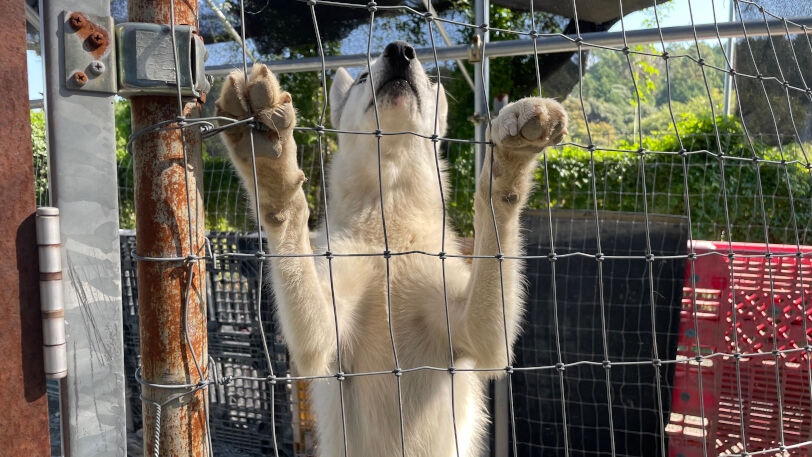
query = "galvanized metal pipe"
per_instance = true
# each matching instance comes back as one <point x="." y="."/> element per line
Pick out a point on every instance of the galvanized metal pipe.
<point x="170" y="225"/>
<point x="481" y="88"/>
<point x="546" y="45"/>
<point x="24" y="424"/>
<point x="82" y="162"/>
<point x="50" y="292"/>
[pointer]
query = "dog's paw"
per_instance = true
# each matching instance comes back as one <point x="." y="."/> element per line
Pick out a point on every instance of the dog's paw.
<point x="261" y="97"/>
<point x="530" y="124"/>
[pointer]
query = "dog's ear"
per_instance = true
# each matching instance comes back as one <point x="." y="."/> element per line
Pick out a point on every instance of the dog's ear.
<point x="442" y="110"/>
<point x="338" y="90"/>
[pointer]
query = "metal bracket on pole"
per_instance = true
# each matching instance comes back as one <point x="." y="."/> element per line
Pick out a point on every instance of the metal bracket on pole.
<point x="90" y="60"/>
<point x="135" y="59"/>
<point x="146" y="60"/>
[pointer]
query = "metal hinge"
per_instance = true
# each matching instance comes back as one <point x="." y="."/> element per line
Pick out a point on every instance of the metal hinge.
<point x="137" y="59"/>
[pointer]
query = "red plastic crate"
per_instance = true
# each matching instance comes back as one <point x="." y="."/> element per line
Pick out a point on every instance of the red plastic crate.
<point x="754" y="301"/>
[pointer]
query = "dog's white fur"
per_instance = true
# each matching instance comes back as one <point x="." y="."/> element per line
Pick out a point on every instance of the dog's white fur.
<point x="414" y="222"/>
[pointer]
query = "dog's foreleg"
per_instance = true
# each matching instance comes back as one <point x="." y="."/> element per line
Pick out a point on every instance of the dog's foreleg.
<point x="304" y="312"/>
<point x="520" y="132"/>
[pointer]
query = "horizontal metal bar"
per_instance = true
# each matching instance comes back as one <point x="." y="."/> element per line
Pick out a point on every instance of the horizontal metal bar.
<point x="547" y="45"/>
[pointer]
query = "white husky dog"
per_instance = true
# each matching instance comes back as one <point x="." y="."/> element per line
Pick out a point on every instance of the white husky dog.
<point x="412" y="203"/>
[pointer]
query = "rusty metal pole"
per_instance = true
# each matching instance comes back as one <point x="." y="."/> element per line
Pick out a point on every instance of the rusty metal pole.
<point x="24" y="429"/>
<point x="166" y="227"/>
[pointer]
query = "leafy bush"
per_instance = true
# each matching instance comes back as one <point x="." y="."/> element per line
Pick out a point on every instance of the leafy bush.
<point x="753" y="196"/>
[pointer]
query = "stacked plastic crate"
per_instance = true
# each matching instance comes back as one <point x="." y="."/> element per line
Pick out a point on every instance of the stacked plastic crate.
<point x="760" y="305"/>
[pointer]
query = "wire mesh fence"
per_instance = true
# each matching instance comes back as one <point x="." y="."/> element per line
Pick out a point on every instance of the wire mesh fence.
<point x="614" y="325"/>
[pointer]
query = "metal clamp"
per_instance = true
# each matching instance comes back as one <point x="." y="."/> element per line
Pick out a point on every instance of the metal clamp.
<point x="147" y="63"/>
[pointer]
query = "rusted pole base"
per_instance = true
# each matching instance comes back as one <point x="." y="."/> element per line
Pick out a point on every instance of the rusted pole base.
<point x="167" y="227"/>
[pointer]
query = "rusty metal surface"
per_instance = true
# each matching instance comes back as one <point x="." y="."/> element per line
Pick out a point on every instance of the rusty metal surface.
<point x="163" y="229"/>
<point x="24" y="429"/>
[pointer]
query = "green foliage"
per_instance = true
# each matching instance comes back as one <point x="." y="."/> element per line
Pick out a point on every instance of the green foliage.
<point x="40" y="153"/>
<point x="714" y="187"/>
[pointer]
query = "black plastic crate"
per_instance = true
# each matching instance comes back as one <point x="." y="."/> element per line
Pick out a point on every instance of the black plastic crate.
<point x="241" y="411"/>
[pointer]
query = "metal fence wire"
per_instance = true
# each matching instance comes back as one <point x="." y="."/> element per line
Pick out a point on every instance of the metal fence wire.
<point x="565" y="363"/>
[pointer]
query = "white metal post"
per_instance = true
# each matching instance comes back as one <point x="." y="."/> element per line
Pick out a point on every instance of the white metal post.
<point x="731" y="51"/>
<point x="84" y="186"/>
<point x="481" y="86"/>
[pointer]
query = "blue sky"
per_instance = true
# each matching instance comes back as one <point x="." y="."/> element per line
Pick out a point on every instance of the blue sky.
<point x="674" y="15"/>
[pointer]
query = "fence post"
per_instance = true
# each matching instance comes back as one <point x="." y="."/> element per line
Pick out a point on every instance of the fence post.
<point x="481" y="87"/>
<point x="25" y="415"/>
<point x="84" y="185"/>
<point x="169" y="223"/>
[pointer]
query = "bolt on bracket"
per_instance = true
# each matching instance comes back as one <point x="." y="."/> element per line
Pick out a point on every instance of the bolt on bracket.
<point x="147" y="62"/>
<point x="90" y="57"/>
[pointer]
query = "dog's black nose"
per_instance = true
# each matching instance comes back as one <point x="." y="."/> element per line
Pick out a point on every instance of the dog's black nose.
<point x="399" y="54"/>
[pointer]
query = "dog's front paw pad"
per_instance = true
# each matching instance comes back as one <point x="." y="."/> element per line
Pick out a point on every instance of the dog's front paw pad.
<point x="532" y="123"/>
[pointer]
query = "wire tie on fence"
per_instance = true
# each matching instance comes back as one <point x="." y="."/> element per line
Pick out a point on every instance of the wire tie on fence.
<point x="776" y="353"/>
<point x="759" y="77"/>
<point x="452" y="370"/>
<point x="607" y="364"/>
<point x="509" y="369"/>
<point x="378" y="133"/>
<point x="682" y="152"/>
<point x="700" y="62"/>
<point x="387" y="254"/>
<point x="340" y="376"/>
<point x="534" y="34"/>
<point x="260" y="254"/>
<point x="591" y="147"/>
<point x="692" y="256"/>
<point x="649" y="257"/>
<point x="397" y="372"/>
<point x="484" y="27"/>
<point x="552" y="257"/>
<point x="599" y="257"/>
<point x="500" y="257"/>
<point x="808" y="349"/>
<point x="429" y="17"/>
<point x="732" y="72"/>
<point x="657" y="362"/>
<point x="435" y="138"/>
<point x="641" y="151"/>
<point x="731" y="256"/>
<point x="443" y="255"/>
<point x="664" y="55"/>
<point x="625" y="50"/>
<point x="560" y="367"/>
<point x="319" y="129"/>
<point x="225" y="381"/>
<point x="311" y="2"/>
<point x="328" y="254"/>
<point x="698" y="359"/>
<point x="372" y="7"/>
<point x="271" y="379"/>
